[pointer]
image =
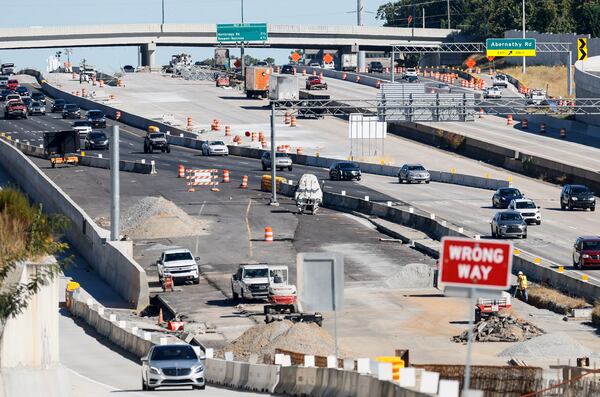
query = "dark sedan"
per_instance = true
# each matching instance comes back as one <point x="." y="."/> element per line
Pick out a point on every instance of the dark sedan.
<point x="23" y="91"/>
<point x="71" y="111"/>
<point x="504" y="196"/>
<point x="58" y="105"/>
<point x="39" y="97"/>
<point x="96" y="140"/>
<point x="96" y="118"/>
<point x="287" y="69"/>
<point x="4" y="93"/>
<point x="344" y="170"/>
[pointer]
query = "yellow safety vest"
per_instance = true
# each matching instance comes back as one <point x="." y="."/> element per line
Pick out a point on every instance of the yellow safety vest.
<point x="522" y="282"/>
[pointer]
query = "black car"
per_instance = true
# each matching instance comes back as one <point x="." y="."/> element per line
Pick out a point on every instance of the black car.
<point x="4" y="93"/>
<point x="27" y="101"/>
<point x="411" y="79"/>
<point x="344" y="170"/>
<point x="23" y="91"/>
<point x="39" y="97"/>
<point x="96" y="140"/>
<point x="287" y="69"/>
<point x="128" y="69"/>
<point x="71" y="111"/>
<point x="577" y="196"/>
<point x="58" y="105"/>
<point x="96" y="118"/>
<point x="504" y="196"/>
<point x="375" y="67"/>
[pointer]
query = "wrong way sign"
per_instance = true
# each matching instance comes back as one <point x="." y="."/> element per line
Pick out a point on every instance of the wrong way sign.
<point x="481" y="264"/>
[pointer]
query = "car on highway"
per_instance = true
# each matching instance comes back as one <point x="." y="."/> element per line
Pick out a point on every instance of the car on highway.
<point x="156" y="141"/>
<point x="12" y="84"/>
<point x="315" y="82"/>
<point x="500" y="81"/>
<point x="411" y="72"/>
<point x="83" y="127"/>
<point x="15" y="109"/>
<point x="492" y="93"/>
<point x="4" y="93"/>
<point x="96" y="118"/>
<point x="39" y="96"/>
<point x="536" y="97"/>
<point x="345" y="170"/>
<point x="58" y="105"/>
<point x="314" y="64"/>
<point x="27" y="100"/>
<point x="222" y="80"/>
<point x="71" y="111"/>
<point x="128" y="69"/>
<point x="413" y="173"/>
<point x="23" y="91"/>
<point x="586" y="252"/>
<point x="13" y="97"/>
<point x="282" y="160"/>
<point x="503" y="196"/>
<point x="577" y="196"/>
<point x="508" y="224"/>
<point x="3" y="81"/>
<point x="329" y="66"/>
<point x="172" y="365"/>
<point x="215" y="148"/>
<point x="375" y="67"/>
<point x="180" y="264"/>
<point x="261" y="63"/>
<point x="37" y="108"/>
<point x="442" y="88"/>
<point x="528" y="210"/>
<point x="287" y="69"/>
<point x="96" y="140"/>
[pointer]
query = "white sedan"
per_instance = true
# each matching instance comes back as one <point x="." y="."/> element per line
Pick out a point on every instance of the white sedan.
<point x="215" y="148"/>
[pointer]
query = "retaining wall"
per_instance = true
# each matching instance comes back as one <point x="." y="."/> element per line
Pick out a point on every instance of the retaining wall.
<point x="111" y="259"/>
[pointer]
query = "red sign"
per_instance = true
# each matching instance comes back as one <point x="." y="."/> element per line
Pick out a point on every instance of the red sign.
<point x="469" y="263"/>
<point x="470" y="63"/>
<point x="295" y="56"/>
<point x="327" y="58"/>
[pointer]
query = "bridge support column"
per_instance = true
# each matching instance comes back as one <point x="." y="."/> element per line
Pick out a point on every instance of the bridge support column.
<point x="147" y="54"/>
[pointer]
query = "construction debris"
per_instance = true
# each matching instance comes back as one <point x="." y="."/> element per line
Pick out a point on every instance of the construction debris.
<point x="501" y="328"/>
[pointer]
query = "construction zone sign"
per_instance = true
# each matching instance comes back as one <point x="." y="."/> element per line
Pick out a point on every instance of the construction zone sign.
<point x="471" y="263"/>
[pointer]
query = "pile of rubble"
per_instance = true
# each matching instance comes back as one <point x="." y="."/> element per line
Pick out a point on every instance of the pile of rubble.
<point x="502" y="328"/>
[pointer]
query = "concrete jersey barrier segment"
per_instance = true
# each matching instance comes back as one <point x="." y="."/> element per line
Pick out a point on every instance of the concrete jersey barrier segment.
<point x="111" y="259"/>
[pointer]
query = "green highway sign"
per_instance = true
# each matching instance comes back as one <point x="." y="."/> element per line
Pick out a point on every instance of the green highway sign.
<point x="510" y="47"/>
<point x="241" y="32"/>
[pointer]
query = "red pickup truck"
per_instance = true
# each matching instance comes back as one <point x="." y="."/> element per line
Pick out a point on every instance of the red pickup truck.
<point x="15" y="109"/>
<point x="315" y="82"/>
<point x="12" y="84"/>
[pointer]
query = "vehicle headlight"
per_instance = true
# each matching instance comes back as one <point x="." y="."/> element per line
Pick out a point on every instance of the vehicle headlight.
<point x="199" y="368"/>
<point x="503" y="226"/>
<point x="592" y="198"/>
<point x="585" y="256"/>
<point x="155" y="370"/>
<point x="574" y="198"/>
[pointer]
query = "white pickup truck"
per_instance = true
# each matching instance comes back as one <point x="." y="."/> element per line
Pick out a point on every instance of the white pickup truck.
<point x="500" y="81"/>
<point x="250" y="282"/>
<point x="180" y="264"/>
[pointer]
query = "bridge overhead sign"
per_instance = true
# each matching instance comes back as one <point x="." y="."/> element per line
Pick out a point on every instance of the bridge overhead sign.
<point x="510" y="47"/>
<point x="242" y="32"/>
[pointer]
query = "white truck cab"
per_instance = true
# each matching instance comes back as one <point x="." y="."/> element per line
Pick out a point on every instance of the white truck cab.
<point x="250" y="282"/>
<point x="180" y="264"/>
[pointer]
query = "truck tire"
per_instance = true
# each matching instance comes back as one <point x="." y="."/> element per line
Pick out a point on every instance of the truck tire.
<point x="145" y="149"/>
<point x="234" y="294"/>
<point x="196" y="281"/>
<point x="168" y="148"/>
<point x="150" y="149"/>
<point x="264" y="167"/>
<point x="477" y="315"/>
<point x="248" y="94"/>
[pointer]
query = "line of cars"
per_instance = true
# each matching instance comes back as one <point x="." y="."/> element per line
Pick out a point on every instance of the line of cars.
<point x="19" y="101"/>
<point x="88" y="128"/>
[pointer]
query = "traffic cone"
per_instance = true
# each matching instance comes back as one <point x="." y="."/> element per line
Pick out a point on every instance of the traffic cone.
<point x="225" y="176"/>
<point x="509" y="120"/>
<point x="244" y="184"/>
<point x="269" y="234"/>
<point x="181" y="171"/>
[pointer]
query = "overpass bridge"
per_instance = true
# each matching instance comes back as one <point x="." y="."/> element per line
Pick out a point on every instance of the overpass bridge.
<point x="345" y="38"/>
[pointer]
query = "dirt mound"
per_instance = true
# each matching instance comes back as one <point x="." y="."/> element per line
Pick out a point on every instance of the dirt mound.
<point x="556" y="344"/>
<point x="502" y="328"/>
<point x="156" y="217"/>
<point x="262" y="340"/>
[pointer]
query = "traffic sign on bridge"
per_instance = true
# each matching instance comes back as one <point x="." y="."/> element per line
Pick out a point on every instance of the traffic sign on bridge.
<point x="481" y="264"/>
<point x="242" y="32"/>
<point x="510" y="47"/>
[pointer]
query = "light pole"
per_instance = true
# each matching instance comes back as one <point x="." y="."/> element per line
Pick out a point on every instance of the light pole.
<point x="524" y="65"/>
<point x="242" y="47"/>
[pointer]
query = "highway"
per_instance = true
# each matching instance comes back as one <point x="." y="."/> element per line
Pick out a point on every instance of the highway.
<point x="468" y="207"/>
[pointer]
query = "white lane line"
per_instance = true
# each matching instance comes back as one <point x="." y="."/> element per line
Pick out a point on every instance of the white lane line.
<point x="104" y="385"/>
<point x="198" y="237"/>
<point x="248" y="229"/>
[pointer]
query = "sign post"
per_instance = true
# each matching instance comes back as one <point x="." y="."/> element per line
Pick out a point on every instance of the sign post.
<point x="510" y="47"/>
<point x="473" y="268"/>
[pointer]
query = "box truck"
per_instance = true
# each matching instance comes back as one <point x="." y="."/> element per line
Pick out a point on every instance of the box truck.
<point x="283" y="87"/>
<point x="257" y="81"/>
<point x="349" y="62"/>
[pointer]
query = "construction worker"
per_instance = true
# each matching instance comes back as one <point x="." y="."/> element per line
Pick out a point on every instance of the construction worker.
<point x="522" y="287"/>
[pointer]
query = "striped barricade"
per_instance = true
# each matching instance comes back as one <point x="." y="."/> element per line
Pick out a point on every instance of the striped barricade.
<point x="201" y="177"/>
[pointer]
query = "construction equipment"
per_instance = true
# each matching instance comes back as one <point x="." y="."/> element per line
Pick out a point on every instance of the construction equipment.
<point x="487" y="307"/>
<point x="309" y="195"/>
<point x="62" y="147"/>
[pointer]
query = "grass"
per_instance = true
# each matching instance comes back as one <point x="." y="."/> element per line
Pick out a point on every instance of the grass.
<point x="553" y="79"/>
<point x="552" y="299"/>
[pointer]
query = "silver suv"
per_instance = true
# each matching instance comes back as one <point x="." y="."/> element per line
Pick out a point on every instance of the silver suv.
<point x="282" y="160"/>
<point x="172" y="365"/>
<point x="413" y="173"/>
<point x="509" y="224"/>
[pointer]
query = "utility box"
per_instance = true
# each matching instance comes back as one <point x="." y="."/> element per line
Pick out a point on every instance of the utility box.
<point x="257" y="81"/>
<point x="283" y="87"/>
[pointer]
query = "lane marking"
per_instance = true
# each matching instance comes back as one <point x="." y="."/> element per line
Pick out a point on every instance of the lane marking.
<point x="248" y="229"/>
<point x="104" y="385"/>
<point x="198" y="237"/>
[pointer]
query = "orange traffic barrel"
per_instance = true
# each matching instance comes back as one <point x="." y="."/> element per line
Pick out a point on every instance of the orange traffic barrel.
<point x="509" y="120"/>
<point x="181" y="171"/>
<point x="303" y="72"/>
<point x="190" y="121"/>
<point x="287" y="118"/>
<point x="117" y="115"/>
<point x="268" y="234"/>
<point x="225" y="176"/>
<point x="293" y="121"/>
<point x="263" y="144"/>
<point x="299" y="151"/>
<point x="227" y="130"/>
<point x="244" y="184"/>
<point x="101" y="83"/>
<point x="480" y="113"/>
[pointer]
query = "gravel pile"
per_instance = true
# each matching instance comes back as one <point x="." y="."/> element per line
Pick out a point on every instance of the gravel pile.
<point x="501" y="328"/>
<point x="156" y="217"/>
<point x="262" y="340"/>
<point x="557" y="344"/>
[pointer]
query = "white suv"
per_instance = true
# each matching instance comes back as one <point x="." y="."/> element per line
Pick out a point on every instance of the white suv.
<point x="500" y="81"/>
<point x="529" y="211"/>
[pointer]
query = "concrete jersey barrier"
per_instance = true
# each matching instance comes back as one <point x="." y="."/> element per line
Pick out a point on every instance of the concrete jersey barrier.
<point x="111" y="259"/>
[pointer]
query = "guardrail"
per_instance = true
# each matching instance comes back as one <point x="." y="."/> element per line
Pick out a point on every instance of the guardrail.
<point x="111" y="259"/>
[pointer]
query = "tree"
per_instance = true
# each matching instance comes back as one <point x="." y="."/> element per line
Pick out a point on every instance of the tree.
<point x="588" y="18"/>
<point x="269" y="60"/>
<point x="32" y="235"/>
<point x="250" y="60"/>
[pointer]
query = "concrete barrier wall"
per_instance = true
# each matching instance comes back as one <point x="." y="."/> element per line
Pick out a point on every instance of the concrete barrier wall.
<point x="111" y="259"/>
<point x="510" y="159"/>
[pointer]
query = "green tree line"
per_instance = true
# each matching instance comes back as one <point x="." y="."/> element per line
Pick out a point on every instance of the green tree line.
<point x="484" y="18"/>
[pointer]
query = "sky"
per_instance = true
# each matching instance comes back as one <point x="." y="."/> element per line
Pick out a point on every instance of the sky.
<point x="40" y="13"/>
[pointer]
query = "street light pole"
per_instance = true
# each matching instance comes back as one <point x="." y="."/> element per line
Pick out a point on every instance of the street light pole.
<point x="163" y="15"/>
<point x="242" y="48"/>
<point x="524" y="65"/>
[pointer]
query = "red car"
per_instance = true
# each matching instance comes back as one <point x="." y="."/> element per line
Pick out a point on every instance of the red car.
<point x="586" y="252"/>
<point x="12" y="84"/>
<point x="314" y="82"/>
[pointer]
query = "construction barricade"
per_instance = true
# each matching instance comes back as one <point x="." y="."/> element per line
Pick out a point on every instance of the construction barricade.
<point x="201" y="177"/>
<point x="265" y="183"/>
